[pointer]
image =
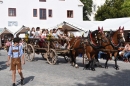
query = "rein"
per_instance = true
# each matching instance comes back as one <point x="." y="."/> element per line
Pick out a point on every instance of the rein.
<point x="73" y="43"/>
<point x="80" y="46"/>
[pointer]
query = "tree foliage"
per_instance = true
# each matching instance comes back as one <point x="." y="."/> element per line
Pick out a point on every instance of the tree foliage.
<point x="87" y="9"/>
<point x="113" y="9"/>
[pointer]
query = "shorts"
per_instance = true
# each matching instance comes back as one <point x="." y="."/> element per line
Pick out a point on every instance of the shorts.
<point x="16" y="62"/>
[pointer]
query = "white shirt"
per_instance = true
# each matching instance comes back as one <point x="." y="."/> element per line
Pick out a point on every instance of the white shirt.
<point x="37" y="34"/>
<point x="55" y="35"/>
<point x="59" y="32"/>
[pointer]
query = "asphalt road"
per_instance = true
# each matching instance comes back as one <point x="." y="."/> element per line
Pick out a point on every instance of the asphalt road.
<point x="40" y="73"/>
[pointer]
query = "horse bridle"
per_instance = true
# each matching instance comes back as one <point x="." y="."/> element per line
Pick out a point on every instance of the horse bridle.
<point x="101" y="38"/>
<point x="119" y="39"/>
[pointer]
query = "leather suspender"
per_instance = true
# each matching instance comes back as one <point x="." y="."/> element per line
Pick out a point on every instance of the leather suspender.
<point x="12" y="51"/>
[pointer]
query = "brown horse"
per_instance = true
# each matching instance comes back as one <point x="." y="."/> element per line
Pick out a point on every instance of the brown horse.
<point x="76" y="47"/>
<point x="111" y="44"/>
<point x="79" y="46"/>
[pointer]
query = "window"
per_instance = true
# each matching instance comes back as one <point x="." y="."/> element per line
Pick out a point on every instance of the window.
<point x="69" y="13"/>
<point x="42" y="0"/>
<point x="42" y="13"/>
<point x="12" y="11"/>
<point x="34" y="12"/>
<point x="50" y="13"/>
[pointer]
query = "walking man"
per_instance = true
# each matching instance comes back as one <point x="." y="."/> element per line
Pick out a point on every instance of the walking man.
<point x="15" y="53"/>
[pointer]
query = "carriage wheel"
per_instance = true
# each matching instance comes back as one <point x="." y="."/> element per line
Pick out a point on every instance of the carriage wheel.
<point x="29" y="52"/>
<point x="43" y="56"/>
<point x="52" y="57"/>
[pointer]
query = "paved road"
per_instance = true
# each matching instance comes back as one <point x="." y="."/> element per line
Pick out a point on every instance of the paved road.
<point x="39" y="73"/>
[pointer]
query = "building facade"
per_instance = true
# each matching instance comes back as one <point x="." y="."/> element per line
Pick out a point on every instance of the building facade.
<point x="96" y="5"/>
<point x="40" y="13"/>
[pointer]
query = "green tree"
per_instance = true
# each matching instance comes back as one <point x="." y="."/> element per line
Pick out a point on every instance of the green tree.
<point x="125" y="11"/>
<point x="113" y="9"/>
<point x="87" y="9"/>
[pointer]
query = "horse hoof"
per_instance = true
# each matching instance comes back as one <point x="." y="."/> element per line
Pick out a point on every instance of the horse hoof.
<point x="100" y="66"/>
<point x="106" y="67"/>
<point x="76" y="66"/>
<point x="93" y="69"/>
<point x="117" y="68"/>
<point x="89" y="68"/>
<point x="84" y="68"/>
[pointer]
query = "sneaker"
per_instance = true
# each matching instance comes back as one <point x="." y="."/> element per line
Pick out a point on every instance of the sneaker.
<point x="13" y="84"/>
<point x="98" y="59"/>
<point x="22" y="81"/>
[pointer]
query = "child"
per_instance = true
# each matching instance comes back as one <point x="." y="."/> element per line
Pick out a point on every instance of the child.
<point x="16" y="54"/>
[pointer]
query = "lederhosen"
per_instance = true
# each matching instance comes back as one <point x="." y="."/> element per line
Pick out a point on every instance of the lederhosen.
<point x="15" y="62"/>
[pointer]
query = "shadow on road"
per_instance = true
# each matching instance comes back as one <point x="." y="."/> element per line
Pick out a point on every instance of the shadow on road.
<point x="3" y="65"/>
<point x="115" y="79"/>
<point x="27" y="80"/>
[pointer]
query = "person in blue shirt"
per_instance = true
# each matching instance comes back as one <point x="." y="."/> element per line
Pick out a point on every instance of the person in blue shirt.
<point x="100" y="54"/>
<point x="15" y="54"/>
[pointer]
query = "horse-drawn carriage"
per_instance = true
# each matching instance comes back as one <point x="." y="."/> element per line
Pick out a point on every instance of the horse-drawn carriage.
<point x="46" y="47"/>
<point x="49" y="51"/>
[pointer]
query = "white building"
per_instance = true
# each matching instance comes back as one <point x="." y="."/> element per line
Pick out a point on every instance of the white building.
<point x="95" y="6"/>
<point x="38" y="13"/>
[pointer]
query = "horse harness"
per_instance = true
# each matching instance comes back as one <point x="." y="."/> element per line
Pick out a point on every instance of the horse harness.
<point x="80" y="46"/>
<point x="15" y="60"/>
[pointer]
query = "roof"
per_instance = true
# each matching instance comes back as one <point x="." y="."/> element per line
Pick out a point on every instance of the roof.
<point x="85" y="25"/>
<point x="113" y="24"/>
<point x="69" y="26"/>
<point x="77" y="26"/>
<point x="127" y="25"/>
<point x="5" y="30"/>
<point x="80" y="3"/>
<point x="23" y="29"/>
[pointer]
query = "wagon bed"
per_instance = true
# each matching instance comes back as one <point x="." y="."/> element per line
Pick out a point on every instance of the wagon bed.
<point x="48" y="51"/>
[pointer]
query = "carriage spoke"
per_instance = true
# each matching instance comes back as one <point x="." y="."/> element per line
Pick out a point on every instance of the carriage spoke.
<point x="52" y="57"/>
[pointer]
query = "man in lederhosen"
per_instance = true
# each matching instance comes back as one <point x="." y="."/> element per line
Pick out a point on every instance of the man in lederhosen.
<point x="16" y="54"/>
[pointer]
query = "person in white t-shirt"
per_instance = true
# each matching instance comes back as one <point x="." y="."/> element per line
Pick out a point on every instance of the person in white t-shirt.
<point x="60" y="32"/>
<point x="37" y="33"/>
<point x="64" y="38"/>
<point x="54" y="33"/>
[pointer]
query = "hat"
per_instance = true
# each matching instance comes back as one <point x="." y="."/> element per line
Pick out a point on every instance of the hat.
<point x="60" y="26"/>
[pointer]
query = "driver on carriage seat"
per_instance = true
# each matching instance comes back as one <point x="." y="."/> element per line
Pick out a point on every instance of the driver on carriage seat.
<point x="64" y="39"/>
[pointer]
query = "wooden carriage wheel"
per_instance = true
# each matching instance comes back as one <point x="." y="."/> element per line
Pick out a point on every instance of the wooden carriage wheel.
<point x="51" y="56"/>
<point x="43" y="56"/>
<point x="29" y="52"/>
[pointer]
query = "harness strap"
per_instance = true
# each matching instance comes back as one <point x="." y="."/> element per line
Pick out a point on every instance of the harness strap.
<point x="73" y="43"/>
<point x="15" y="51"/>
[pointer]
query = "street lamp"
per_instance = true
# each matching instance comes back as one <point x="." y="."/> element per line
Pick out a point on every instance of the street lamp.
<point x="1" y="1"/>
